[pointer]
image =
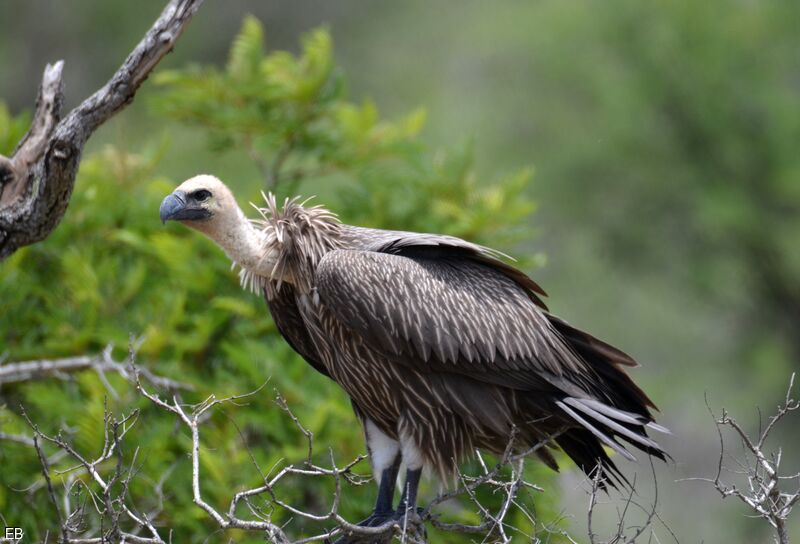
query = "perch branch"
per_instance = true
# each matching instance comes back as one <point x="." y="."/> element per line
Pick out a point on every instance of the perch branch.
<point x="36" y="181"/>
<point x="96" y="504"/>
<point x="101" y="363"/>
<point x="108" y="494"/>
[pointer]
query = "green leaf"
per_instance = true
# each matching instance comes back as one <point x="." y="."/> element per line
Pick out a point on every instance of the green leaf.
<point x="247" y="50"/>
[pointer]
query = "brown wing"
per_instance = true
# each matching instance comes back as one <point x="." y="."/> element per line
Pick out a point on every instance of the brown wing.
<point x="283" y="308"/>
<point x="452" y="310"/>
<point x="441" y="303"/>
<point x="445" y="312"/>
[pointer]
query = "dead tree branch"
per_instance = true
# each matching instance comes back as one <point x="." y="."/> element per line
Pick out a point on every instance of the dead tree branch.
<point x="103" y="512"/>
<point x="262" y="522"/>
<point x="101" y="363"/>
<point x="492" y="524"/>
<point x="627" y="531"/>
<point x="100" y="509"/>
<point x="410" y="529"/>
<point x="94" y="504"/>
<point x="768" y="493"/>
<point x="36" y="181"/>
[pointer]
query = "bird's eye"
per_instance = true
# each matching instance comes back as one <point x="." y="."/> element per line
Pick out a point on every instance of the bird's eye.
<point x="201" y="195"/>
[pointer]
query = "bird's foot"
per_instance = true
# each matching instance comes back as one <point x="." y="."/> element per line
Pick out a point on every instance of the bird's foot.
<point x="411" y="523"/>
<point x="376" y="519"/>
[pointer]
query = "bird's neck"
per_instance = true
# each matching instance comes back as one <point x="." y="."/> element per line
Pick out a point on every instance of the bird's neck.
<point x="284" y="246"/>
<point x="246" y="246"/>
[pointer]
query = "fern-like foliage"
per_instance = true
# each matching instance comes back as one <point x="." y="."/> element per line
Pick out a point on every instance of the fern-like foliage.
<point x="291" y="115"/>
<point x="247" y="50"/>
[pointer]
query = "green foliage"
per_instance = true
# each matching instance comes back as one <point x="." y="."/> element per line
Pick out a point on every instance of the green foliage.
<point x="267" y="105"/>
<point x="291" y="114"/>
<point x="111" y="270"/>
<point x="12" y="129"/>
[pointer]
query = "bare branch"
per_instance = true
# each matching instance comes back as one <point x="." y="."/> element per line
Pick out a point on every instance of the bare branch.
<point x="50" y="492"/>
<point x="626" y="531"/>
<point x="101" y="363"/>
<point x="508" y="487"/>
<point x="108" y="505"/>
<point x="765" y="492"/>
<point x="36" y="181"/>
<point x="281" y="402"/>
<point x="18" y="438"/>
<point x="104" y="494"/>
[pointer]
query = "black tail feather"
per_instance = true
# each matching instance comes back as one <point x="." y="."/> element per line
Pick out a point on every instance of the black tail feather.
<point x="611" y="408"/>
<point x="614" y="384"/>
<point x="588" y="453"/>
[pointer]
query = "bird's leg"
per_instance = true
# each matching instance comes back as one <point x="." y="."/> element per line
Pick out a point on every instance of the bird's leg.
<point x="383" y="505"/>
<point x="408" y="500"/>
<point x="385" y="456"/>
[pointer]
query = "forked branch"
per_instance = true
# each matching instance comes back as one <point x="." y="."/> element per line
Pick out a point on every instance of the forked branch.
<point x="36" y="181"/>
<point x="93" y="503"/>
<point x="101" y="363"/>
<point x="770" y="494"/>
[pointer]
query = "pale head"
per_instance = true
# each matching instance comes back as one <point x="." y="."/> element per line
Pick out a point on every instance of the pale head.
<point x="203" y="203"/>
<point x="206" y="204"/>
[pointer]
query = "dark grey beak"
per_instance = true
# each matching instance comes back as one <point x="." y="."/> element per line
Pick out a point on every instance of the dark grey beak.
<point x="172" y="206"/>
<point x="177" y="206"/>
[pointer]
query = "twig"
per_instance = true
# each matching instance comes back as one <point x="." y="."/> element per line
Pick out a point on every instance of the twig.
<point x="110" y="478"/>
<point x="765" y="493"/>
<point x="281" y="402"/>
<point x="50" y="492"/>
<point x="110" y="506"/>
<point x="18" y="438"/>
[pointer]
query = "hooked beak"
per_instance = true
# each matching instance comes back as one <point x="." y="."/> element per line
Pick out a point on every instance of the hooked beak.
<point x="176" y="207"/>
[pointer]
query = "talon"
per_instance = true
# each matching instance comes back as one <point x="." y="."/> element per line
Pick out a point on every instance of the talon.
<point x="401" y="512"/>
<point x="373" y="520"/>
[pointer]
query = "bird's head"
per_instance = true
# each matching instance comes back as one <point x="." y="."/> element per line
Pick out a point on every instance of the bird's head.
<point x="203" y="203"/>
<point x="206" y="204"/>
<point x="264" y="247"/>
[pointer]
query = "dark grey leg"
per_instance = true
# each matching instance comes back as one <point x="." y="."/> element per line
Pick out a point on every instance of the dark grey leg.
<point x="408" y="500"/>
<point x="383" y="505"/>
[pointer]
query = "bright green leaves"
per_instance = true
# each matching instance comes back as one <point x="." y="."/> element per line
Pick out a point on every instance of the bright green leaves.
<point x="247" y="51"/>
<point x="291" y="116"/>
<point x="266" y="105"/>
<point x="12" y="129"/>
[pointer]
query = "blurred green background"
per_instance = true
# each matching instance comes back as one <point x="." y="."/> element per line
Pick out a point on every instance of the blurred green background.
<point x="662" y="213"/>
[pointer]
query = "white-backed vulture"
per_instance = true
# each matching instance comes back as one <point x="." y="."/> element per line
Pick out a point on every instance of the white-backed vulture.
<point x="442" y="347"/>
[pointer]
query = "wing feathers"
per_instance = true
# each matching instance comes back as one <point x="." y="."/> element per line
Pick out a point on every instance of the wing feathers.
<point x="460" y="312"/>
<point x="453" y="309"/>
<point x="597" y="406"/>
<point x="585" y="341"/>
<point x="608" y="441"/>
<point x="611" y="424"/>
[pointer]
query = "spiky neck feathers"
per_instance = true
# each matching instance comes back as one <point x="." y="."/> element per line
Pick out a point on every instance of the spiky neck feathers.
<point x="283" y="246"/>
<point x="289" y="243"/>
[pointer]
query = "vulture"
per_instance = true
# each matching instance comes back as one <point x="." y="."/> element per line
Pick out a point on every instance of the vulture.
<point x="442" y="347"/>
